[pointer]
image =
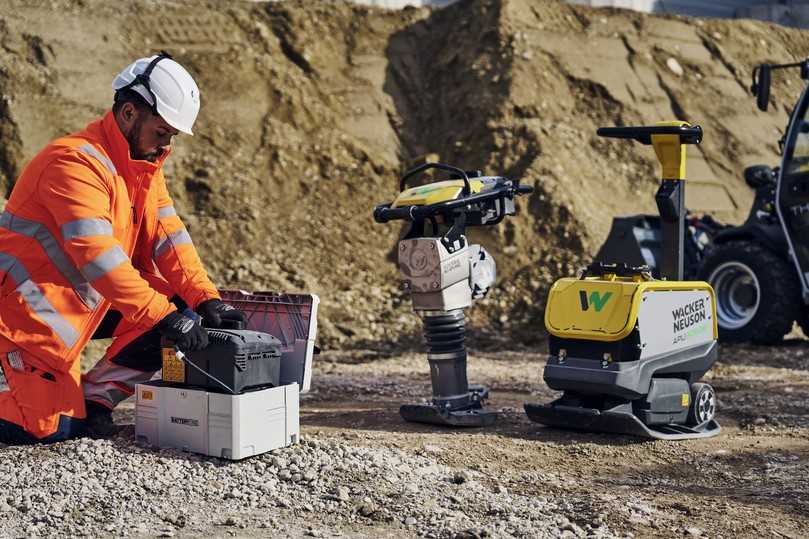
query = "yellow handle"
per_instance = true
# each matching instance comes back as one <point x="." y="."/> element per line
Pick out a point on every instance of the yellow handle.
<point x="671" y="152"/>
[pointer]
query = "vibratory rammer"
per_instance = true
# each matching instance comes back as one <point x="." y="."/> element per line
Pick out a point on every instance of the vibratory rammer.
<point x="443" y="274"/>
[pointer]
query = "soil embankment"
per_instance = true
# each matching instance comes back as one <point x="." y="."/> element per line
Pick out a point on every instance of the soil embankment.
<point x="311" y="111"/>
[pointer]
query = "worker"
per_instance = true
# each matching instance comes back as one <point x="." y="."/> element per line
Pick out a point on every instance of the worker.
<point x="91" y="246"/>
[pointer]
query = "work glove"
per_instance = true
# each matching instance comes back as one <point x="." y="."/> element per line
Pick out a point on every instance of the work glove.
<point x="214" y="311"/>
<point x="186" y="334"/>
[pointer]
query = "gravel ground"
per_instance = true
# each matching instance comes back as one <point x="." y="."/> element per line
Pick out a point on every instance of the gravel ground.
<point x="361" y="471"/>
<point x="113" y="487"/>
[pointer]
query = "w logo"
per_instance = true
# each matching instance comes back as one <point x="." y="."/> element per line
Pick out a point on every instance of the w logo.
<point x="596" y="300"/>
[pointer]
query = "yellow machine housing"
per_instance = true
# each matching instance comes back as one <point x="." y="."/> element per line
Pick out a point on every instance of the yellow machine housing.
<point x="670" y="152"/>
<point x="433" y="193"/>
<point x="606" y="308"/>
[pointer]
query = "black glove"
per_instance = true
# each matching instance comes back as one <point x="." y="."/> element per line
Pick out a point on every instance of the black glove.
<point x="214" y="311"/>
<point x="185" y="333"/>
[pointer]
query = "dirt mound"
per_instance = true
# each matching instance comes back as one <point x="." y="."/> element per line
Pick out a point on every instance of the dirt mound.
<point x="312" y="110"/>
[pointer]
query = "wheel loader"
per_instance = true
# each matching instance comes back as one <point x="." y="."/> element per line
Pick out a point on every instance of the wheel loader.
<point x="760" y="268"/>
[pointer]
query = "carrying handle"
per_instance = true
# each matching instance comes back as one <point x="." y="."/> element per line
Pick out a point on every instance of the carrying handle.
<point x="467" y="187"/>
<point x="232" y="324"/>
<point x="621" y="269"/>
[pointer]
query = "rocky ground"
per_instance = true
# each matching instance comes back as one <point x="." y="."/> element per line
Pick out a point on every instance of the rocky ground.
<point x="361" y="471"/>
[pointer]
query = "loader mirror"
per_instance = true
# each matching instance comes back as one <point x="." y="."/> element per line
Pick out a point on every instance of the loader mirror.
<point x="761" y="86"/>
<point x="758" y="175"/>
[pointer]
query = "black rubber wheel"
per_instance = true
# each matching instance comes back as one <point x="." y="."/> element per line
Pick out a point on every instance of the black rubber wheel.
<point x="758" y="295"/>
<point x="703" y="405"/>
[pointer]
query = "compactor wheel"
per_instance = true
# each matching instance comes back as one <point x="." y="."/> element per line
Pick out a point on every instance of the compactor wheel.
<point x="703" y="405"/>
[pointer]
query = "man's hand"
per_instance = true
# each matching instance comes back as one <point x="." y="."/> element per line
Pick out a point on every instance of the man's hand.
<point x="185" y="333"/>
<point x="214" y="311"/>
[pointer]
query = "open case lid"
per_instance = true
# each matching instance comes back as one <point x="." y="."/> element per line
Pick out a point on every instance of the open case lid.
<point x="292" y="319"/>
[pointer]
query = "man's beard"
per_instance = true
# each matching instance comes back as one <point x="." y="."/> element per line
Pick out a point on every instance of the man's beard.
<point x="132" y="138"/>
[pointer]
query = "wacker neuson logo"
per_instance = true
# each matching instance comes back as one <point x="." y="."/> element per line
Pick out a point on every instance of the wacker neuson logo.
<point x="690" y="314"/>
<point x="596" y="300"/>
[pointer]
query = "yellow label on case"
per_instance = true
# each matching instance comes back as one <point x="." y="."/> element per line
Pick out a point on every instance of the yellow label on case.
<point x="173" y="367"/>
<point x="146" y="395"/>
<point x="685" y="400"/>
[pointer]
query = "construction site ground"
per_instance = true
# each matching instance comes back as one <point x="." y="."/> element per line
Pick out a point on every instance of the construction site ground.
<point x="310" y="113"/>
<point x="361" y="471"/>
<point x="749" y="481"/>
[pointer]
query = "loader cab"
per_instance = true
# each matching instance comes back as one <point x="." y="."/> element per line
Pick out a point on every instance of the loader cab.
<point x="793" y="190"/>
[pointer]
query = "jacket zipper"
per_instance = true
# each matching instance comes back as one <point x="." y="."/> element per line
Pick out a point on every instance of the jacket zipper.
<point x="135" y="196"/>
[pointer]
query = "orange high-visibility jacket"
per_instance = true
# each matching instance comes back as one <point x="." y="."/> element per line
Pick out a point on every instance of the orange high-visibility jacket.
<point x="85" y="229"/>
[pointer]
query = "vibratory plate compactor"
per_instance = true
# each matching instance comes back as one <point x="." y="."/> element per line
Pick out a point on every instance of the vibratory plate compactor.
<point x="443" y="274"/>
<point x="626" y="349"/>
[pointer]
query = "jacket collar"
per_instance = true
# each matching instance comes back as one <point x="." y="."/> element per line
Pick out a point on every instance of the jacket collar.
<point x="119" y="151"/>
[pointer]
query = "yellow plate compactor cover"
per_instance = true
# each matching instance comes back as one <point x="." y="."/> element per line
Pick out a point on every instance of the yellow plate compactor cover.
<point x="607" y="309"/>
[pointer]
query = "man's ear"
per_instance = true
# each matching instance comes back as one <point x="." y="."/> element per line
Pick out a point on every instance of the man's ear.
<point x="128" y="114"/>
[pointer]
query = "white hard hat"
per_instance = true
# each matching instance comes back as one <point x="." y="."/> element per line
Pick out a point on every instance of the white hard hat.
<point x="166" y="86"/>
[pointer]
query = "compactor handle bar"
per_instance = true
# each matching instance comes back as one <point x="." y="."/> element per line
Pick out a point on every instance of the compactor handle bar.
<point x="467" y="187"/>
<point x="688" y="135"/>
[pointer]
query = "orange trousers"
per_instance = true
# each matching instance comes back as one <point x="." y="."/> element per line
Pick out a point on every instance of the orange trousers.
<point x="34" y="398"/>
<point x="49" y="405"/>
<point x="43" y="406"/>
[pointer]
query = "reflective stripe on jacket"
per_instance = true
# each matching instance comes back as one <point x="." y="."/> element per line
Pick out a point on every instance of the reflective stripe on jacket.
<point x="84" y="229"/>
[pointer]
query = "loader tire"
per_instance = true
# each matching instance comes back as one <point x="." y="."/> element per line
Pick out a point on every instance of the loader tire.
<point x="758" y="295"/>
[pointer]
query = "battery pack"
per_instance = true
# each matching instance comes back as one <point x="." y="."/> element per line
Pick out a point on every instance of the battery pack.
<point x="239" y="359"/>
<point x="217" y="424"/>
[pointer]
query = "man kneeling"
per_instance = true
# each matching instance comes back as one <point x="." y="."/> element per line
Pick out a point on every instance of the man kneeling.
<point x="91" y="246"/>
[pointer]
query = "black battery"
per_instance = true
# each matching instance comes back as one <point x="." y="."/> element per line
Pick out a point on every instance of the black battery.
<point x="240" y="359"/>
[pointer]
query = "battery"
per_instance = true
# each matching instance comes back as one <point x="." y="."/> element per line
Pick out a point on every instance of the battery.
<point x="217" y="424"/>
<point x="240" y="359"/>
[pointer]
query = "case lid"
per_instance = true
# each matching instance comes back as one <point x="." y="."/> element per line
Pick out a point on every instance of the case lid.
<point x="292" y="319"/>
